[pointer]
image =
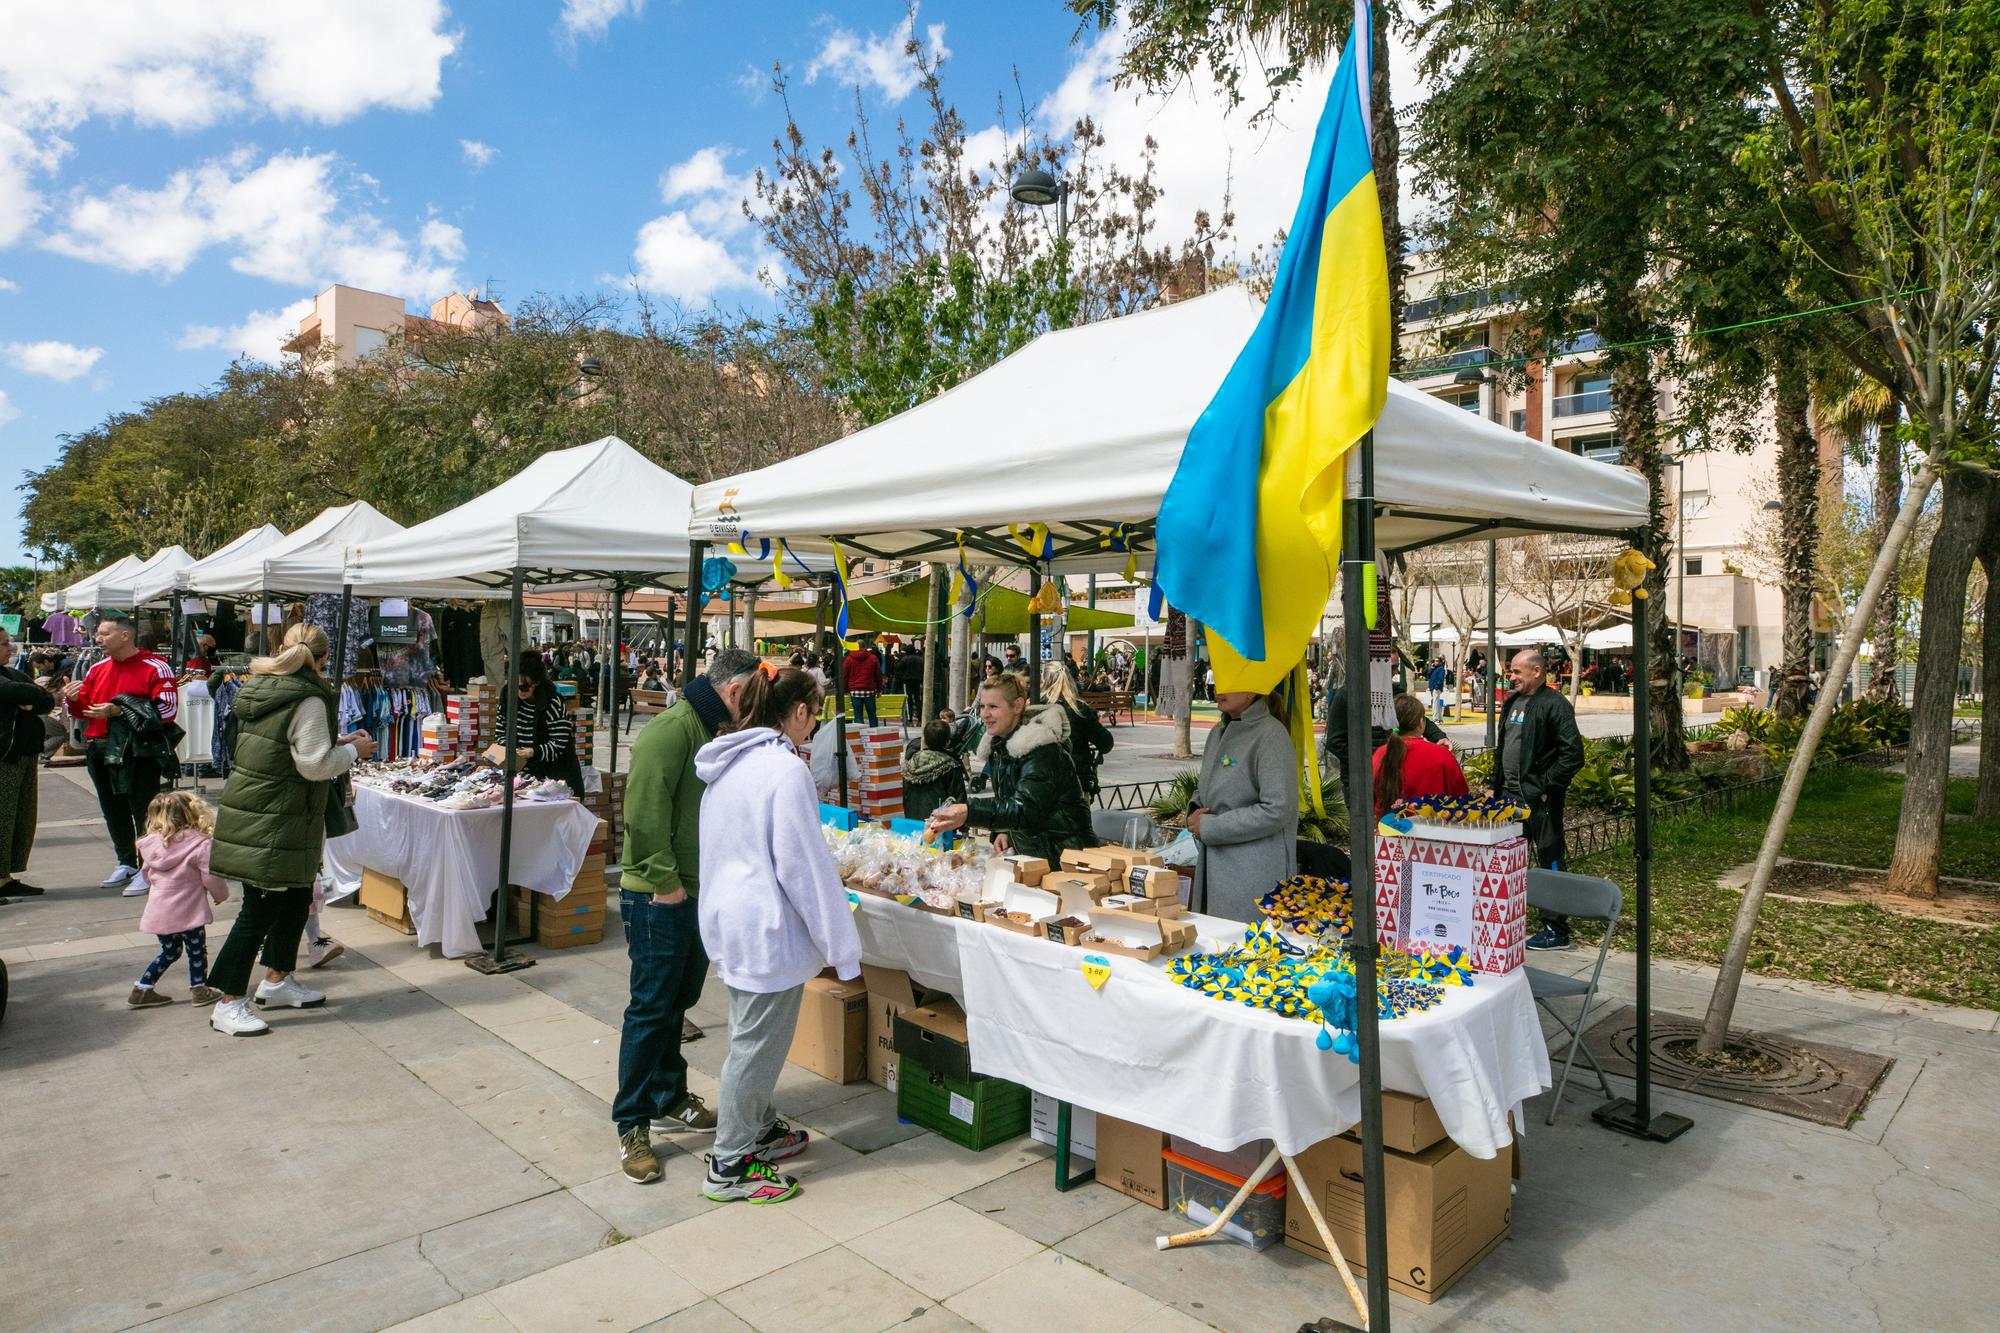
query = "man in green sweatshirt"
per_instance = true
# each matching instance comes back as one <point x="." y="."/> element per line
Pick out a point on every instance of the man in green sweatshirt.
<point x="662" y="863"/>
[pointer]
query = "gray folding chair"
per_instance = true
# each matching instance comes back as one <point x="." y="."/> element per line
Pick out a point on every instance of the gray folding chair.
<point x="1591" y="899"/>
<point x="1127" y="828"/>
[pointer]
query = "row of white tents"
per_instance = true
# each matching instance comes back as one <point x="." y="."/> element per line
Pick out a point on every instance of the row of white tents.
<point x="1080" y="431"/>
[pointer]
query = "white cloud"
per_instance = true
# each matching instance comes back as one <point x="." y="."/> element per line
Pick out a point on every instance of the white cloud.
<point x="591" y="18"/>
<point x="260" y="335"/>
<point x="9" y="285"/>
<point x="7" y="410"/>
<point x="187" y="67"/>
<point x="477" y="155"/>
<point x="671" y="256"/>
<point x="51" y="360"/>
<point x="876" y="61"/>
<point x="294" y="218"/>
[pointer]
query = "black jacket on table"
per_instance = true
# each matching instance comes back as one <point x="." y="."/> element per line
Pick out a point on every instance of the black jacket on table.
<point x="25" y="704"/>
<point x="1551" y="746"/>
<point x="1033" y="794"/>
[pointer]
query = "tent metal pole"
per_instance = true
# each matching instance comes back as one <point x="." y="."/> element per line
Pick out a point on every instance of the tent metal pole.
<point x="501" y="960"/>
<point x="697" y="552"/>
<point x="1492" y="640"/>
<point x="1090" y="635"/>
<point x="1034" y="636"/>
<point x="175" y="623"/>
<point x="1634" y="1115"/>
<point x="1360" y="530"/>
<point x="617" y="637"/>
<point x="340" y="662"/>
<point x="837" y="673"/>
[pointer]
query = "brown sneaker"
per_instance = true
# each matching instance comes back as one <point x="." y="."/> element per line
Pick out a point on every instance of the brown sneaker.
<point x="636" y="1156"/>
<point x="691" y="1114"/>
<point x="145" y="997"/>
<point x="689" y="1032"/>
<point x="204" y="995"/>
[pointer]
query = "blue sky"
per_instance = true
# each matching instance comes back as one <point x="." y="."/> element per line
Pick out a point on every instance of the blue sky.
<point x="177" y="181"/>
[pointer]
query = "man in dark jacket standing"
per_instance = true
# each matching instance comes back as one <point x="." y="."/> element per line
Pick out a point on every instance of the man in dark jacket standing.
<point x="656" y="899"/>
<point x="1540" y="751"/>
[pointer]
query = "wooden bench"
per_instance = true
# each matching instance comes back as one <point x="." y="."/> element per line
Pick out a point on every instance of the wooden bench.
<point x="1108" y="704"/>
<point x="649" y="701"/>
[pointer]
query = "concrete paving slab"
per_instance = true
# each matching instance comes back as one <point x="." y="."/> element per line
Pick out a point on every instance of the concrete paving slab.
<point x="563" y="1028"/>
<point x="710" y="1316"/>
<point x="357" y="1294"/>
<point x="584" y="1057"/>
<point x="800" y="1092"/>
<point x="476" y="1315"/>
<point x="612" y="1290"/>
<point x="730" y="1246"/>
<point x="950" y="1170"/>
<point x="496" y="1002"/>
<point x="639" y="1210"/>
<point x="555" y="1126"/>
<point x="864" y="1123"/>
<point x="836" y="1291"/>
<point x="944" y="1249"/>
<point x="1051" y="1290"/>
<point x="1027" y="1201"/>
<point x="510" y="1243"/>
<point x="857" y="1197"/>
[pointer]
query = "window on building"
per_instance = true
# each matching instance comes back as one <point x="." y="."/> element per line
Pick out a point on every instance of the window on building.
<point x="1602" y="448"/>
<point x="1694" y="504"/>
<point x="1518" y="419"/>
<point x="1466" y="400"/>
<point x="368" y="342"/>
<point x="1691" y="566"/>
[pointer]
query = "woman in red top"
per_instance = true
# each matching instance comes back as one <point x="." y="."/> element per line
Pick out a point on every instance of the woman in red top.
<point x="1407" y="765"/>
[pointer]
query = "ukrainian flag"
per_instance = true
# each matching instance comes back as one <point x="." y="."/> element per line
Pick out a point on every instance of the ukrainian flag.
<point x="1249" y="531"/>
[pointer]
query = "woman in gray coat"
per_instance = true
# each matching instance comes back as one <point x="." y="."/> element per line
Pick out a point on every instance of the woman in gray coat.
<point x="1246" y="811"/>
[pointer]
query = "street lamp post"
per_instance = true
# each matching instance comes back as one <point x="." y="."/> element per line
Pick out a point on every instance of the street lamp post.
<point x="1038" y="189"/>
<point x="1484" y="379"/>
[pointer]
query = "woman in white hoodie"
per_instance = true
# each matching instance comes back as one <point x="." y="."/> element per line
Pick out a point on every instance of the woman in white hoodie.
<point x="773" y="915"/>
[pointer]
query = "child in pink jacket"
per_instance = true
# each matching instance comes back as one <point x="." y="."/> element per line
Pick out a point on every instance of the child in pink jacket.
<point x="179" y="887"/>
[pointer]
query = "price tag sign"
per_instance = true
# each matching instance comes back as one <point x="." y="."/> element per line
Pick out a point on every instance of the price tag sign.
<point x="1441" y="899"/>
<point x="1096" y="970"/>
<point x="853" y="901"/>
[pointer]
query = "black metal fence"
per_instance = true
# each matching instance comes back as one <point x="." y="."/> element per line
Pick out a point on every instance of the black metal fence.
<point x="1131" y="795"/>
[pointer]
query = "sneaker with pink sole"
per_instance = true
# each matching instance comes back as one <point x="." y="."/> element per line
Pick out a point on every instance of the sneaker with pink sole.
<point x="749" y="1179"/>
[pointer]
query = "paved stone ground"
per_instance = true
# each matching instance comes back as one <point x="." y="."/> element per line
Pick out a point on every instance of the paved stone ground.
<point x="434" y="1146"/>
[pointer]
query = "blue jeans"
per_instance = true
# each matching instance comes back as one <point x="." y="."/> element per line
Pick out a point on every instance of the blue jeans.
<point x="668" y="968"/>
<point x="864" y="708"/>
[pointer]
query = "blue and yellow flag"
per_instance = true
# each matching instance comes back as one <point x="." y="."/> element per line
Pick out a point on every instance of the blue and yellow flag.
<point x="1249" y="531"/>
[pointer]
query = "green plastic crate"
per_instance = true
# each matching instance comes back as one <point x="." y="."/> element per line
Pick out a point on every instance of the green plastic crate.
<point x="997" y="1110"/>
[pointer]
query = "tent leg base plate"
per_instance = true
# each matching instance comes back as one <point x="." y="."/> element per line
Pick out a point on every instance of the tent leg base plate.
<point x="1623" y="1116"/>
<point x="510" y="960"/>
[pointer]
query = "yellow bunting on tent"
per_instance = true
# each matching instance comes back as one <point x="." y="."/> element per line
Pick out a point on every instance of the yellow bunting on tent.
<point x="778" y="574"/>
<point x="1034" y="540"/>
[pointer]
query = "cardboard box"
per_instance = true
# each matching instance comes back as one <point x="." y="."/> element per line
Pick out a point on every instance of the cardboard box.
<point x="1137" y="934"/>
<point x="1130" y="902"/>
<point x="1025" y="910"/>
<point x="1132" y="1160"/>
<point x="1446" y="1210"/>
<point x="890" y="992"/>
<point x="1078" y="890"/>
<point x="1065" y="930"/>
<point x="1027" y="869"/>
<point x="1096" y="860"/>
<point x="1152" y="882"/>
<point x="831" y="1038"/>
<point x="934" y="1037"/>
<point x="1082" y="1125"/>
<point x="569" y="936"/>
<point x="1409" y="1124"/>
<point x="1392" y="888"/>
<point x="1473" y="896"/>
<point x="975" y="909"/>
<point x="386" y="900"/>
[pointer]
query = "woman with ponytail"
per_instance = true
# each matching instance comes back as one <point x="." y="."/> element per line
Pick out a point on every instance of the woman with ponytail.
<point x="1408" y="766"/>
<point x="271" y="828"/>
<point x="774" y="914"/>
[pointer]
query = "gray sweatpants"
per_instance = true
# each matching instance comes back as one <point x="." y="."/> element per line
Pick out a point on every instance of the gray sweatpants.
<point x="760" y="1034"/>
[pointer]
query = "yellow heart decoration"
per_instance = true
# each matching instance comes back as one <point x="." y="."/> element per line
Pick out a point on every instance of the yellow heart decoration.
<point x="1096" y="970"/>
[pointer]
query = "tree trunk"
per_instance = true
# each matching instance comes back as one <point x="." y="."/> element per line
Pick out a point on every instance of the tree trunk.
<point x="1798" y="533"/>
<point x="1888" y="498"/>
<point x="1635" y="403"/>
<point x="1729" y="980"/>
<point x="1913" y="869"/>
<point x="1987" y="805"/>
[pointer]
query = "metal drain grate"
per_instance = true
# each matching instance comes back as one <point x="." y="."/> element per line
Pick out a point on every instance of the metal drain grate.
<point x="1807" y="1080"/>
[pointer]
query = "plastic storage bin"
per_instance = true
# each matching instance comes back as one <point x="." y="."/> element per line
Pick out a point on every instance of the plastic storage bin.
<point x="1200" y="1192"/>
<point x="1238" y="1162"/>
<point x="974" y="1115"/>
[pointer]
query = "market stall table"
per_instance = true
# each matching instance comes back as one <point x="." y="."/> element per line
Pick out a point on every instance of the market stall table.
<point x="1146" y="1049"/>
<point x="449" y="860"/>
<point x="923" y="944"/>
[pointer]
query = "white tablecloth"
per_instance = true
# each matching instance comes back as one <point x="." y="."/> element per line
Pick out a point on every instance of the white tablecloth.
<point x="1148" y="1050"/>
<point x="449" y="860"/>
<point x="921" y="943"/>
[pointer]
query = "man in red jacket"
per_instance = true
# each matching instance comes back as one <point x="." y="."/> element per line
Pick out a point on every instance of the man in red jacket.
<point x="124" y="669"/>
<point x="862" y="674"/>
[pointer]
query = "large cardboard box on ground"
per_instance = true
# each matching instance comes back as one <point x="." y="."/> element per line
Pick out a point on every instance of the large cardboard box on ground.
<point x="1488" y="888"/>
<point x="1409" y="1123"/>
<point x="386" y="900"/>
<point x="831" y="1038"/>
<point x="890" y="992"/>
<point x="1042" y="1113"/>
<point x="1132" y="1160"/>
<point x="1446" y="1210"/>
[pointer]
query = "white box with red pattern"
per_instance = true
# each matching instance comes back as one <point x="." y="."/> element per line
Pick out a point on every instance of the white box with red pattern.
<point x="1499" y="906"/>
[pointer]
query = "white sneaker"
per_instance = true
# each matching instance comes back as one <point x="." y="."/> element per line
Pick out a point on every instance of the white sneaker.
<point x="120" y="877"/>
<point x="287" y="994"/>
<point x="137" y="887"/>
<point x="233" y="1018"/>
<point x="323" y="950"/>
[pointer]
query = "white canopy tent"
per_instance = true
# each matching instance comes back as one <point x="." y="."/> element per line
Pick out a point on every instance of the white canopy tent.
<point x="254" y="540"/>
<point x="150" y="582"/>
<point x="313" y="559"/>
<point x="589" y="517"/>
<point x="1611" y="636"/>
<point x="1083" y="429"/>
<point x="82" y="595"/>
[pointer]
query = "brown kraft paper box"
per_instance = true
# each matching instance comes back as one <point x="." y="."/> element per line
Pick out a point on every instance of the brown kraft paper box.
<point x="832" y="1036"/>
<point x="1446" y="1210"/>
<point x="890" y="992"/>
<point x="1129" y="1160"/>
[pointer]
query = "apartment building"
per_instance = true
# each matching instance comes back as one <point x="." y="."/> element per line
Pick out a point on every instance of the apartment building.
<point x="352" y="323"/>
<point x="1734" y="610"/>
